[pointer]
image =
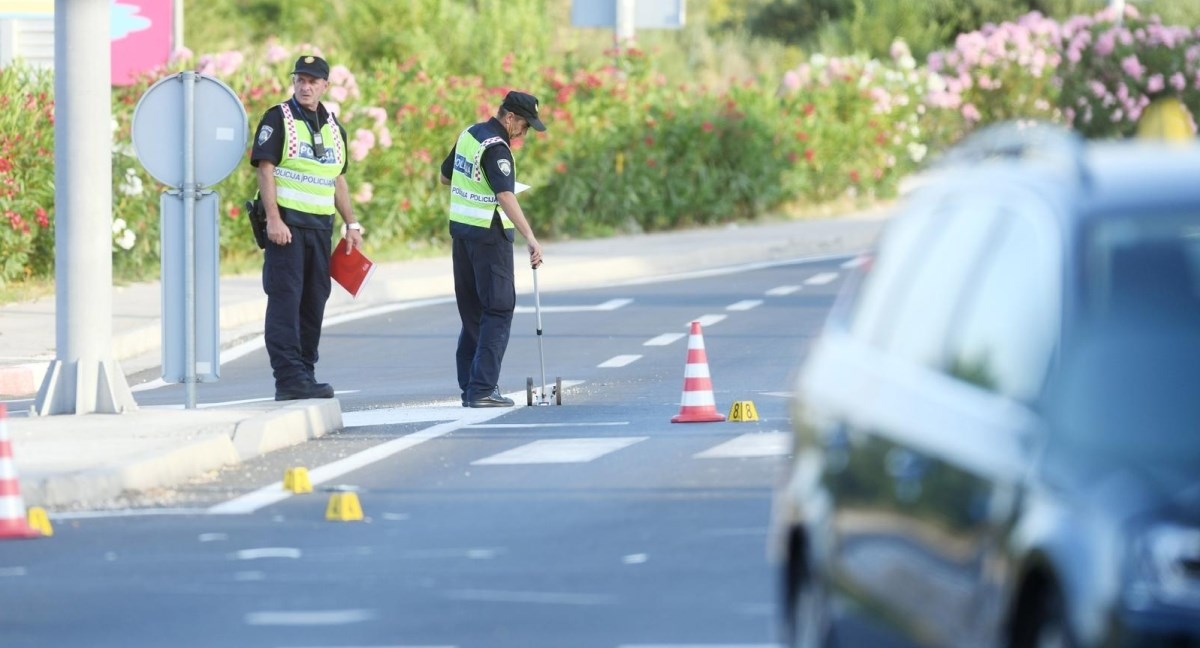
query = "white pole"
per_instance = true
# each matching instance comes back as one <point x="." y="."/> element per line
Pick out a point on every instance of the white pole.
<point x="177" y="26"/>
<point x="84" y="378"/>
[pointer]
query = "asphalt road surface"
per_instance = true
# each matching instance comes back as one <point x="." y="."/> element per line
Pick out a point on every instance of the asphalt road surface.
<point x="594" y="523"/>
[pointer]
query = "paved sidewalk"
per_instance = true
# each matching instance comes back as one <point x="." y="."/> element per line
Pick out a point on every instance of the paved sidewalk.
<point x="81" y="461"/>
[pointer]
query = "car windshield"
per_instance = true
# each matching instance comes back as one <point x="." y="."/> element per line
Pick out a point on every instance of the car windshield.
<point x="1130" y="374"/>
<point x="1144" y="272"/>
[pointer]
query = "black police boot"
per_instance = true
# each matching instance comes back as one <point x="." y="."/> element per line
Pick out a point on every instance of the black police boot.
<point x="493" y="399"/>
<point x="302" y="390"/>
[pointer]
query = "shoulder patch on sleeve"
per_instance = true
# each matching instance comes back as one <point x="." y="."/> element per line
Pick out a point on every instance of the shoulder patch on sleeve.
<point x="264" y="134"/>
<point x="505" y="167"/>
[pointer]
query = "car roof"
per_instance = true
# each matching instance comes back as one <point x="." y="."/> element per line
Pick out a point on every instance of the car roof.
<point x="1084" y="180"/>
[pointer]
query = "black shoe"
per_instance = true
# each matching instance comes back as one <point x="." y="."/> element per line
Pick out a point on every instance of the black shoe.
<point x="492" y="400"/>
<point x="303" y="390"/>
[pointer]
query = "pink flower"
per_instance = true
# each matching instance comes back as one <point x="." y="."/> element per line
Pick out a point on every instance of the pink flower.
<point x="1178" y="81"/>
<point x="1155" y="84"/>
<point x="1133" y="67"/>
<point x="366" y="191"/>
<point x="971" y="113"/>
<point x="276" y="53"/>
<point x="791" y="80"/>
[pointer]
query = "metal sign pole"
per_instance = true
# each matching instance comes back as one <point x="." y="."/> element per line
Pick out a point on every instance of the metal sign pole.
<point x="189" y="246"/>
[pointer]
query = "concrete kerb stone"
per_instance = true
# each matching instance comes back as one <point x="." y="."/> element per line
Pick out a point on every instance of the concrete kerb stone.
<point x="145" y="458"/>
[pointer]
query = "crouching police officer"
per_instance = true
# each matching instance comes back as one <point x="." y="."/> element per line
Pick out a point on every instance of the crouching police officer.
<point x="300" y="153"/>
<point x="483" y="212"/>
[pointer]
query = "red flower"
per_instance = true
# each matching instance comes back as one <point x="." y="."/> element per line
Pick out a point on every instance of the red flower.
<point x="707" y="127"/>
<point x="854" y="177"/>
<point x="649" y="140"/>
<point x="561" y="167"/>
<point x="809" y="154"/>
<point x="42" y="219"/>
<point x="802" y="136"/>
<point x="809" y="109"/>
<point x="235" y="211"/>
<point x="5" y="165"/>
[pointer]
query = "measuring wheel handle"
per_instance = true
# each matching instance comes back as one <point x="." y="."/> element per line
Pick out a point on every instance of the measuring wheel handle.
<point x="557" y="391"/>
<point x="529" y="391"/>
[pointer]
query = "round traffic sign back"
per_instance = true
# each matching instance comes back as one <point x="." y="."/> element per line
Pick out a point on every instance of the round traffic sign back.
<point x="219" y="123"/>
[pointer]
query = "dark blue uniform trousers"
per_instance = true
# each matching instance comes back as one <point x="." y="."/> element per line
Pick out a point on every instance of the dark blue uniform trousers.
<point x="296" y="280"/>
<point x="486" y="295"/>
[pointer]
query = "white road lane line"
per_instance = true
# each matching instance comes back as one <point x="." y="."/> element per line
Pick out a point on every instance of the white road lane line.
<point x="91" y="515"/>
<point x="273" y="493"/>
<point x="551" y="598"/>
<point x="821" y="279"/>
<point x="744" y="305"/>
<point x="664" y="339"/>
<point x="6" y="572"/>
<point x="555" y="451"/>
<point x="610" y="305"/>
<point x="755" y="444"/>
<point x="387" y="646"/>
<point x="513" y="426"/>
<point x="309" y="618"/>
<point x="213" y="537"/>
<point x="618" y="361"/>
<point x="780" y="291"/>
<point x="696" y="645"/>
<point x="709" y="320"/>
<point x="268" y="552"/>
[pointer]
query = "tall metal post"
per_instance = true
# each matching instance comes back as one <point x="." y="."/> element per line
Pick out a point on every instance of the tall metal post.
<point x="84" y="377"/>
<point x="177" y="26"/>
<point x="189" y="238"/>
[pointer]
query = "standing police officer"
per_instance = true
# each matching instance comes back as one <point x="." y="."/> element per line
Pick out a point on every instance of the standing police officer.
<point x="483" y="212"/>
<point x="300" y="153"/>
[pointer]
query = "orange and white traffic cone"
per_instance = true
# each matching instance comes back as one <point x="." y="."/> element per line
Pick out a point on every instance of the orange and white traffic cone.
<point x="697" y="404"/>
<point x="12" y="508"/>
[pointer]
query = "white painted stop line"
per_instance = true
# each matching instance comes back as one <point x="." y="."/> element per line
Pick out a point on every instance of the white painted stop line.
<point x="547" y="451"/>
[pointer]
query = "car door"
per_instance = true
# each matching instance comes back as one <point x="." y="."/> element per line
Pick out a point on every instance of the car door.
<point x="923" y="462"/>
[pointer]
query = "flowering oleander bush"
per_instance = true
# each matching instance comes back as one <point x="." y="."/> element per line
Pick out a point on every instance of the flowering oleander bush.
<point x="1000" y="72"/>
<point x="1114" y="69"/>
<point x="26" y="174"/>
<point x="628" y="150"/>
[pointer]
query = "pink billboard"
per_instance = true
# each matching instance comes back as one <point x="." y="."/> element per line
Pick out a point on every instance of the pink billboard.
<point x="141" y="32"/>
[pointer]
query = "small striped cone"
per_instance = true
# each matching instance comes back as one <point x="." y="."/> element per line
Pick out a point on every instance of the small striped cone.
<point x="697" y="404"/>
<point x="12" y="508"/>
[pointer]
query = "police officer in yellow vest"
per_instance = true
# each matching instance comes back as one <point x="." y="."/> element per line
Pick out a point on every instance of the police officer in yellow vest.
<point x="483" y="213"/>
<point x="300" y="153"/>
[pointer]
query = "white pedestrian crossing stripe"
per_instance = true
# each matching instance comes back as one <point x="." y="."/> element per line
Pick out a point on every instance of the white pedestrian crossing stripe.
<point x="560" y="451"/>
<point x="754" y="444"/>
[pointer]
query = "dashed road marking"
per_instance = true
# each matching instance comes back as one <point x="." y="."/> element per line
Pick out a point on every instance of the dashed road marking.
<point x="618" y="361"/>
<point x="821" y="279"/>
<point x="780" y="291"/>
<point x="709" y="320"/>
<point x="309" y="618"/>
<point x="744" y="305"/>
<point x="664" y="339"/>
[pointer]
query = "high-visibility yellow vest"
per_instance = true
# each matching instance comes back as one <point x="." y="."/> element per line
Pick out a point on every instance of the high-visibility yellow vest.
<point x="303" y="182"/>
<point x="472" y="201"/>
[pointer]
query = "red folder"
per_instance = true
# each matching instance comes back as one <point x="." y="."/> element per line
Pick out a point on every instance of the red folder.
<point x="350" y="270"/>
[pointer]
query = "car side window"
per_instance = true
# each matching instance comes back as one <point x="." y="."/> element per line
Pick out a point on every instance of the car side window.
<point x="898" y="249"/>
<point x="924" y="309"/>
<point x="1009" y="329"/>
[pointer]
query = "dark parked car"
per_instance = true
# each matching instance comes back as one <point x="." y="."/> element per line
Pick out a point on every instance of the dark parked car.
<point x="997" y="435"/>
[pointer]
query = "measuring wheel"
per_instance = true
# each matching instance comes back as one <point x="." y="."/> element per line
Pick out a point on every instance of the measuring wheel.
<point x="529" y="391"/>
